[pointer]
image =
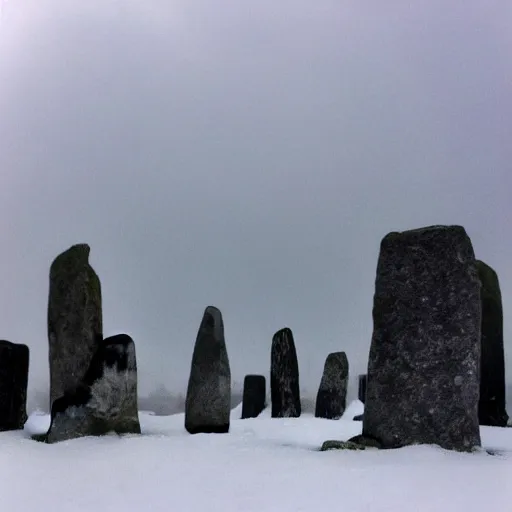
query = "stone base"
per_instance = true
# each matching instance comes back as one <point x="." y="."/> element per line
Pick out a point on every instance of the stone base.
<point x="208" y="429"/>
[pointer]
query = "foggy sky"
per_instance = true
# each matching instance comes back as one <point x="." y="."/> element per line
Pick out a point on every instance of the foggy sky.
<point x="247" y="155"/>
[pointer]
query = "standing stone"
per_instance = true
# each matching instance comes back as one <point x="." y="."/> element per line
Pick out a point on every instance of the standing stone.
<point x="253" y="401"/>
<point x="14" y="360"/>
<point x="491" y="408"/>
<point x="423" y="372"/>
<point x="284" y="376"/>
<point x="208" y="402"/>
<point x="331" y="399"/>
<point x="361" y="392"/>
<point x="106" y="399"/>
<point x="74" y="319"/>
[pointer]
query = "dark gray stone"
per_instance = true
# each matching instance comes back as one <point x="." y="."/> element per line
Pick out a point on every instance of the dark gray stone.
<point x="340" y="445"/>
<point x="365" y="442"/>
<point x="208" y="402"/>
<point x="14" y="360"/>
<point x="359" y="417"/>
<point x="423" y="372"/>
<point x="254" y="396"/>
<point x="284" y="376"/>
<point x="106" y="399"/>
<point x="74" y="319"/>
<point x="361" y="392"/>
<point x="331" y="398"/>
<point x="491" y="408"/>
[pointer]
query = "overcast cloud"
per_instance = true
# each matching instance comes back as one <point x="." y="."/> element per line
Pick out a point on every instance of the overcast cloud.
<point x="249" y="155"/>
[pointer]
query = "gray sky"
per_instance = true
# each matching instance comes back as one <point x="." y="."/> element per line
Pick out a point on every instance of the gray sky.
<point x="245" y="155"/>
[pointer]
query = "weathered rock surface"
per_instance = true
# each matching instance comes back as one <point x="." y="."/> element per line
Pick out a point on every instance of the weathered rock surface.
<point x="491" y="409"/>
<point x="334" y="444"/>
<point x="254" y="396"/>
<point x="424" y="365"/>
<point x="284" y="376"/>
<point x="106" y="399"/>
<point x="208" y="401"/>
<point x="331" y="399"/>
<point x="361" y="392"/>
<point x="14" y="362"/>
<point x="74" y="319"/>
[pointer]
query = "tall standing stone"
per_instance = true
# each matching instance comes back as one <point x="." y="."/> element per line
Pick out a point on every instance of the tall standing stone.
<point x="423" y="371"/>
<point x="331" y="399"/>
<point x="361" y="391"/>
<point x="284" y="376"/>
<point x="74" y="319"/>
<point x="208" y="401"/>
<point x="491" y="409"/>
<point x="106" y="399"/>
<point x="254" y="396"/>
<point x="14" y="361"/>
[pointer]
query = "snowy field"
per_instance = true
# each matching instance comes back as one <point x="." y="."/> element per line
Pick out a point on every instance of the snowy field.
<point x="262" y="465"/>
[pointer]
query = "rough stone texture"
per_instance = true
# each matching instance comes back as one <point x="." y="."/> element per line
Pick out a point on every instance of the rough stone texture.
<point x="14" y="361"/>
<point x="253" y="401"/>
<point x="74" y="319"/>
<point x="365" y="442"/>
<point x="208" y="401"/>
<point x="284" y="376"/>
<point x="106" y="399"/>
<point x="340" y="445"/>
<point x="423" y="372"/>
<point x="331" y="399"/>
<point x="361" y="392"/>
<point x="491" y="408"/>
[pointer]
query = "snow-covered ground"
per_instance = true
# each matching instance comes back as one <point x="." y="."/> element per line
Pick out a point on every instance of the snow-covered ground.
<point x="262" y="465"/>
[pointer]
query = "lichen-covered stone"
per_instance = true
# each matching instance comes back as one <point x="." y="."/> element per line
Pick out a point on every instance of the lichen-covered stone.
<point x="284" y="376"/>
<point x="74" y="319"/>
<point x="254" y="396"/>
<point x="361" y="391"/>
<point x="106" y="399"/>
<point x="208" y="401"/>
<point x="14" y="362"/>
<point x="424" y="364"/>
<point x="331" y="398"/>
<point x="492" y="405"/>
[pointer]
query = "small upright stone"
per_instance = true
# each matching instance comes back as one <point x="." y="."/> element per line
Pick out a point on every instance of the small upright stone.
<point x="491" y="408"/>
<point x="424" y="364"/>
<point x="254" y="396"/>
<point x="331" y="399"/>
<point x="361" y="392"/>
<point x="14" y="360"/>
<point x="208" y="401"/>
<point x="74" y="319"/>
<point x="284" y="376"/>
<point x="106" y="399"/>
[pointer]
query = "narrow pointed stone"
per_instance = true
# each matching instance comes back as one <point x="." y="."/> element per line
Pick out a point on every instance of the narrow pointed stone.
<point x="74" y="319"/>
<point x="254" y="396"/>
<point x="208" y="401"/>
<point x="284" y="376"/>
<point x="492" y="405"/>
<point x="331" y="399"/>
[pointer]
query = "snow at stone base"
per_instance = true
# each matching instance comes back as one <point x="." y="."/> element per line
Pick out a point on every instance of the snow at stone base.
<point x="262" y="465"/>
